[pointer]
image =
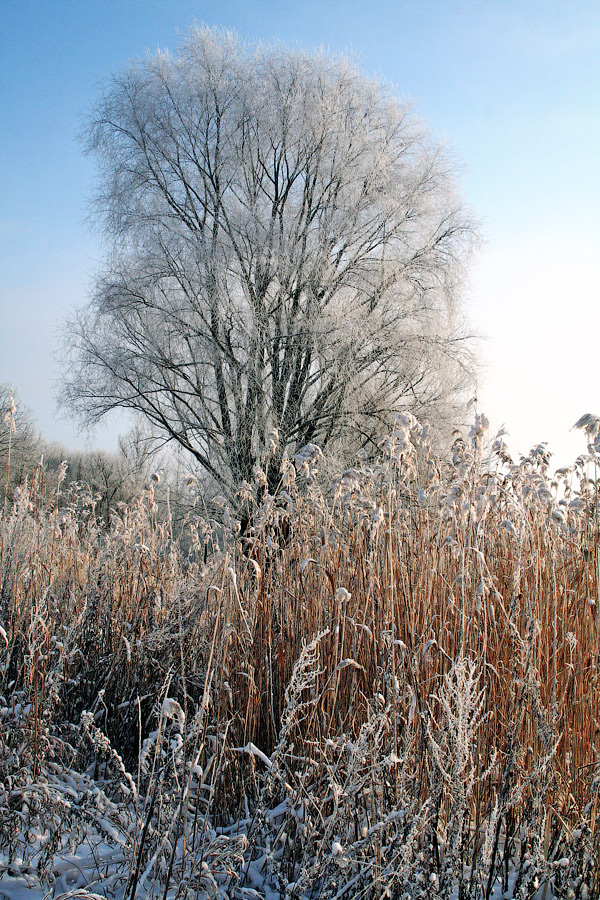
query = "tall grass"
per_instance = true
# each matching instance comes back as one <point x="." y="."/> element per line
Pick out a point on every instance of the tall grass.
<point x="387" y="685"/>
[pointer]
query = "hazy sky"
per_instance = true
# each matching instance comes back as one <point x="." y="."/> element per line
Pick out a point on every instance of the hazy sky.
<point x="513" y="86"/>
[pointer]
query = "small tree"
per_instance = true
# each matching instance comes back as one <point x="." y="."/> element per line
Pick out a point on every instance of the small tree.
<point x="109" y="476"/>
<point x="287" y="252"/>
<point x="18" y="434"/>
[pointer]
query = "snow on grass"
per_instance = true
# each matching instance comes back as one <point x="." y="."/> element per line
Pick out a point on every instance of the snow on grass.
<point x="399" y="698"/>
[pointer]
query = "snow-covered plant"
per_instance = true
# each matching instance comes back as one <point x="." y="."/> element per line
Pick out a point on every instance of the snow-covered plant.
<point x="387" y="685"/>
<point x="455" y="770"/>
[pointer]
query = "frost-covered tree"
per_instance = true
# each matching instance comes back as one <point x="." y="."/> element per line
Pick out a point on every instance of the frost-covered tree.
<point x="19" y="441"/>
<point x="286" y="256"/>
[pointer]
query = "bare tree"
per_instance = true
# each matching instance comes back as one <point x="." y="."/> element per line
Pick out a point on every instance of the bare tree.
<point x="110" y="477"/>
<point x="287" y="249"/>
<point x="18" y="433"/>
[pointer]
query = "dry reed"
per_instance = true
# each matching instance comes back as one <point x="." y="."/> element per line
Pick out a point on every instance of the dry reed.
<point x="441" y="734"/>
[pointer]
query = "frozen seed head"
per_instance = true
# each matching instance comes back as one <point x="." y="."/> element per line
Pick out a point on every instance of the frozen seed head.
<point x="260" y="477"/>
<point x="9" y="415"/>
<point x="406" y="420"/>
<point x="307" y="454"/>
<point x="478" y="429"/>
<point x="377" y="516"/>
<point x="342" y="594"/>
<point x="589" y="423"/>
<point x="172" y="710"/>
<point x="336" y="849"/>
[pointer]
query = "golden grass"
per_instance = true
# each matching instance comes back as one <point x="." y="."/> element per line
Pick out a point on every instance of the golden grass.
<point x="406" y="568"/>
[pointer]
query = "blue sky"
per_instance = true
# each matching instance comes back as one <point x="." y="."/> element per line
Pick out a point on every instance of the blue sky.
<point x="512" y="87"/>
